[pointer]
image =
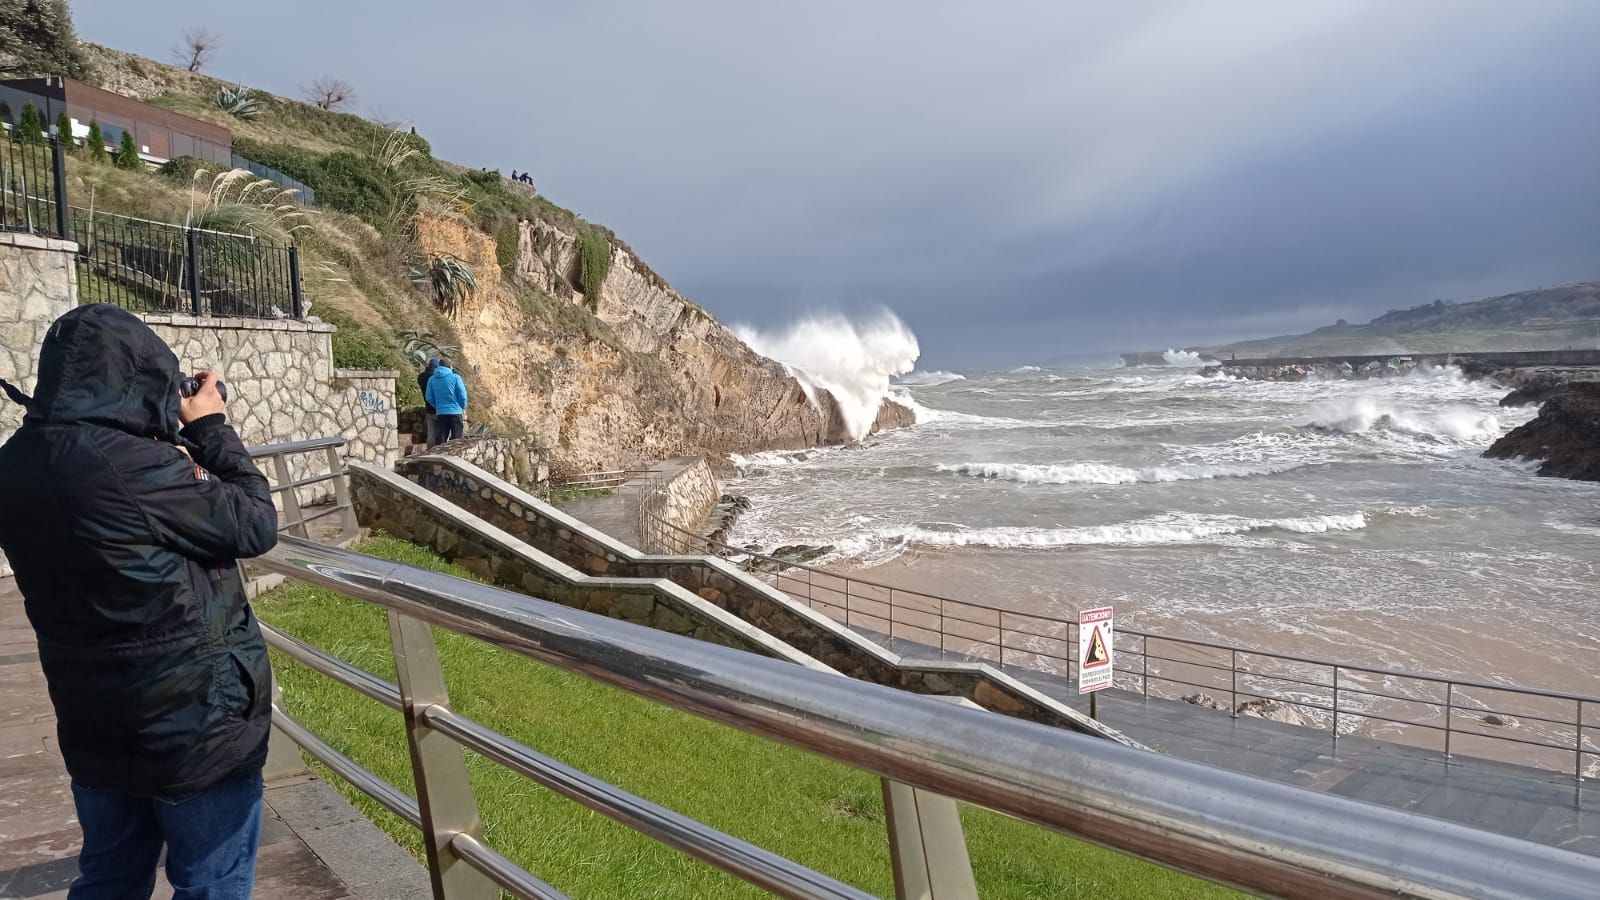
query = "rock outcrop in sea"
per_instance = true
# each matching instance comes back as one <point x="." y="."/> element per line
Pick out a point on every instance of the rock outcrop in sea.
<point x="1565" y="435"/>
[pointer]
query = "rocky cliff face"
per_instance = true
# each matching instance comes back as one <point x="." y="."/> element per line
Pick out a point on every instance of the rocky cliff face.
<point x="646" y="375"/>
<point x="1565" y="434"/>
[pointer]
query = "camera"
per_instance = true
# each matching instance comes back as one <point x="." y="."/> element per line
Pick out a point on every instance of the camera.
<point x="189" y="385"/>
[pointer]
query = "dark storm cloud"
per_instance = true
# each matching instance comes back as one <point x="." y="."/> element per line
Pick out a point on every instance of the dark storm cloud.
<point x="1017" y="180"/>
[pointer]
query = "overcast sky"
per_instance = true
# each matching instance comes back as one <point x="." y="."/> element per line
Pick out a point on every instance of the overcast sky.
<point x="1016" y="180"/>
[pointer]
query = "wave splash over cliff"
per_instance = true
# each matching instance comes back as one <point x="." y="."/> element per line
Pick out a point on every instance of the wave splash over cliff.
<point x="851" y="360"/>
<point x="1187" y="359"/>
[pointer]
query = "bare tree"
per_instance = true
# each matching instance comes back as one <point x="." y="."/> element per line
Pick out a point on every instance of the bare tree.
<point x="199" y="47"/>
<point x="330" y="93"/>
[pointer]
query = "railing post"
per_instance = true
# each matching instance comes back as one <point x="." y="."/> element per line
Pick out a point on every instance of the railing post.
<point x="58" y="153"/>
<point x="926" y="845"/>
<point x="191" y="265"/>
<point x="1233" y="685"/>
<point x="1449" y="713"/>
<point x="289" y="496"/>
<point x="438" y="765"/>
<point x="341" y="493"/>
<point x="283" y="755"/>
<point x="299" y="303"/>
<point x="1336" y="703"/>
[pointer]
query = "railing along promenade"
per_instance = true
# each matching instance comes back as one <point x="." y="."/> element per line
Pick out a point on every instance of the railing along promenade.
<point x="1252" y="833"/>
<point x="1558" y="731"/>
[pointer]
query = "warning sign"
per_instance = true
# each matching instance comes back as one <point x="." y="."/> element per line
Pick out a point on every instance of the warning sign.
<point x="1096" y="650"/>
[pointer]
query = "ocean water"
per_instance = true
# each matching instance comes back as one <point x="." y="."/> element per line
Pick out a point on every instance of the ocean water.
<point x="1349" y="520"/>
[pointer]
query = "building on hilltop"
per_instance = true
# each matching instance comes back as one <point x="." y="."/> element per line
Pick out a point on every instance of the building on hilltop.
<point x="159" y="134"/>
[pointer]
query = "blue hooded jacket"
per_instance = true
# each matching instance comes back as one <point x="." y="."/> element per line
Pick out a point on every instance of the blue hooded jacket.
<point x="446" y="392"/>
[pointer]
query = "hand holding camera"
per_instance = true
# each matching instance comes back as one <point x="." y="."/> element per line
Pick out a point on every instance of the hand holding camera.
<point x="203" y="394"/>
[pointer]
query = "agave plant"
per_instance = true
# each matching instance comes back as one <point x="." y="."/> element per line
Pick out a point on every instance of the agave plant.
<point x="450" y="279"/>
<point x="239" y="101"/>
<point x="421" y="346"/>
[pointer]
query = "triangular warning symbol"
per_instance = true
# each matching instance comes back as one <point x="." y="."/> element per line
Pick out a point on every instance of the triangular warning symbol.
<point x="1097" y="655"/>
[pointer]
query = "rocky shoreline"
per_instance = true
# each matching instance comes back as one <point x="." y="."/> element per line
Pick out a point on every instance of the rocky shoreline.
<point x="1565" y="435"/>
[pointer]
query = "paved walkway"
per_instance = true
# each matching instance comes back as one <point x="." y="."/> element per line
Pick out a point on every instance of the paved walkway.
<point x="1528" y="803"/>
<point x="314" y="845"/>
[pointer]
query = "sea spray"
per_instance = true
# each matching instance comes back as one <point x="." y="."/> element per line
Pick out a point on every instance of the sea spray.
<point x="929" y="379"/>
<point x="851" y="360"/>
<point x="1187" y="359"/>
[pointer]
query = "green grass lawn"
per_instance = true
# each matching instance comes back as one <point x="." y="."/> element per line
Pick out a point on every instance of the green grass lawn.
<point x="804" y="807"/>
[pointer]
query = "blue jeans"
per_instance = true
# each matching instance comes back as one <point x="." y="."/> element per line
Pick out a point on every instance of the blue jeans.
<point x="211" y="840"/>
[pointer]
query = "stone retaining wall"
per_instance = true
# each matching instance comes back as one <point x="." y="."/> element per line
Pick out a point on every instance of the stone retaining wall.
<point x="385" y="501"/>
<point x="38" y="284"/>
<point x="591" y="551"/>
<point x="282" y="385"/>
<point x="679" y="494"/>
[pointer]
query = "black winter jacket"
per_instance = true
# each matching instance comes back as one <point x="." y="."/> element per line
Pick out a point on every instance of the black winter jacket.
<point x="124" y="550"/>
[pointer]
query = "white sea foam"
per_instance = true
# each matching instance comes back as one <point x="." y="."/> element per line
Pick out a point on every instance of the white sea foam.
<point x="771" y="459"/>
<point x="1168" y="529"/>
<point x="1361" y="415"/>
<point x="929" y="379"/>
<point x="851" y="360"/>
<point x="1102" y="473"/>
<point x="1026" y="370"/>
<point x="1187" y="359"/>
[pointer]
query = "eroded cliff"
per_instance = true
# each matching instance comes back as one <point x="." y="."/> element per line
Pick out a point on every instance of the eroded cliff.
<point x="638" y="373"/>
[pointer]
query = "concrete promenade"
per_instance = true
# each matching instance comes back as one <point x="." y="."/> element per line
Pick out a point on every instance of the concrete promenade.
<point x="314" y="845"/>
<point x="1519" y="801"/>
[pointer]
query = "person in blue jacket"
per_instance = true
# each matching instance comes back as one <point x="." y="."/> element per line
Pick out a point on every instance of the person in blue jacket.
<point x="447" y="394"/>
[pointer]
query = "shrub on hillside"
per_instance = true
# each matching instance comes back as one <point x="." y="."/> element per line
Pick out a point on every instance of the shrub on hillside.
<point x="64" y="130"/>
<point x="594" y="251"/>
<point x="95" y="143"/>
<point x="30" y="127"/>
<point x="291" y="161"/>
<point x="127" y="156"/>
<point x="181" y="169"/>
<point x="353" y="183"/>
<point x="37" y="39"/>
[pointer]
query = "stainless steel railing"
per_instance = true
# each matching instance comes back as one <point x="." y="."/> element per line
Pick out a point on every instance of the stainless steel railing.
<point x="1253" y="833"/>
<point x="284" y="459"/>
<point x="1554" y="730"/>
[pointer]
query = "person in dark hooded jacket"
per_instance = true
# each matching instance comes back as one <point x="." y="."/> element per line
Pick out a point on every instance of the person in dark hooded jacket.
<point x="124" y="531"/>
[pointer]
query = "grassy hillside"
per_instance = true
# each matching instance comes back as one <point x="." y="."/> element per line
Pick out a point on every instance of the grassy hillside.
<point x="1543" y="319"/>
<point x="807" y="808"/>
<point x="364" y="266"/>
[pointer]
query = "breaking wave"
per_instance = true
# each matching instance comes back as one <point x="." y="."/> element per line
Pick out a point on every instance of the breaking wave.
<point x="853" y="361"/>
<point x="1167" y="529"/>
<point x="1361" y="415"/>
<point x="1184" y="358"/>
<point x="929" y="379"/>
<point x="1101" y="473"/>
<point x="1026" y="370"/>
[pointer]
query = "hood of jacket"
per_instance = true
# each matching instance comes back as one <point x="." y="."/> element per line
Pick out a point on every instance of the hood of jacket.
<point x="101" y="365"/>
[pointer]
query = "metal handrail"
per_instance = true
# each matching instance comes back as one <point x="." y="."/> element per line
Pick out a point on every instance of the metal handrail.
<point x="287" y="488"/>
<point x="884" y="594"/>
<point x="1253" y="833"/>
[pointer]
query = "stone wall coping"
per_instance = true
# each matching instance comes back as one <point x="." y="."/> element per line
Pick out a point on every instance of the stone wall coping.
<point x="36" y="242"/>
<point x="553" y="567"/>
<point x="236" y="323"/>
<point x="376" y="374"/>
<point x="634" y="555"/>
<point x="997" y="678"/>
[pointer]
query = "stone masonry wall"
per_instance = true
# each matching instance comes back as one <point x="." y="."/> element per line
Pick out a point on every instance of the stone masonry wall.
<point x="385" y="501"/>
<point x="590" y="551"/>
<point x="282" y="386"/>
<point x="678" y="500"/>
<point x="38" y="285"/>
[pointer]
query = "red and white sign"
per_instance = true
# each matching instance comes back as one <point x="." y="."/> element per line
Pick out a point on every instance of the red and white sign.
<point x="1096" y="650"/>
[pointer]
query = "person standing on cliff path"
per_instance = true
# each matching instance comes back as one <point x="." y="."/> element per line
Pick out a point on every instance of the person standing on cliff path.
<point x="430" y="416"/>
<point x="447" y="394"/>
<point x="126" y="508"/>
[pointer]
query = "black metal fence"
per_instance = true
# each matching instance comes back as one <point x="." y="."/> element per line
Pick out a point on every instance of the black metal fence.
<point x="155" y="267"/>
<point x="33" y="185"/>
